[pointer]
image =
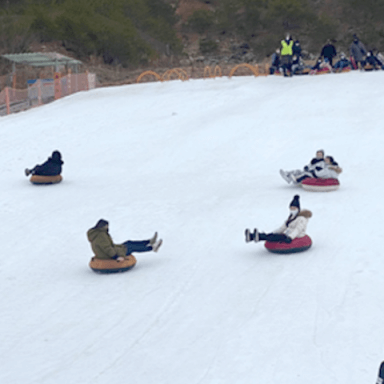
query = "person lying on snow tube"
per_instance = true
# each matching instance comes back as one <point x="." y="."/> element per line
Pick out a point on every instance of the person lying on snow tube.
<point x="331" y="170"/>
<point x="315" y="165"/>
<point x="52" y="167"/>
<point x="321" y="66"/>
<point x="294" y="227"/>
<point x="105" y="249"/>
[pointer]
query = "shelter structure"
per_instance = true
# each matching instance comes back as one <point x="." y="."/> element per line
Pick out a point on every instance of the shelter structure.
<point x="56" y="61"/>
<point x="57" y="76"/>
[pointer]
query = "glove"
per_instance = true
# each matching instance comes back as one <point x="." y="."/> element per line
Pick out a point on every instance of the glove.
<point x="288" y="240"/>
<point x="306" y="168"/>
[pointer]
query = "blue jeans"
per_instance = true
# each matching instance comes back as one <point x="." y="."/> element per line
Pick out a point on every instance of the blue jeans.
<point x="137" y="246"/>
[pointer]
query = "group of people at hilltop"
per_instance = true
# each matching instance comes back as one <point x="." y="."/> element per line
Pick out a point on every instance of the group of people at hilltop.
<point x="288" y="58"/>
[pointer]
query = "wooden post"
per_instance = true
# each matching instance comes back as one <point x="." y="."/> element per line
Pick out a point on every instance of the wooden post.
<point x="69" y="81"/>
<point x="57" y="85"/>
<point x="87" y="81"/>
<point x="39" y="92"/>
<point x="7" y="103"/>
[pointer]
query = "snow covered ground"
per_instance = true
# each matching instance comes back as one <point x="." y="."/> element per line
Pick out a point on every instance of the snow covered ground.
<point x="197" y="161"/>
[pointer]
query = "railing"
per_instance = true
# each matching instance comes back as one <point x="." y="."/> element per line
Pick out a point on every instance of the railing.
<point x="43" y="91"/>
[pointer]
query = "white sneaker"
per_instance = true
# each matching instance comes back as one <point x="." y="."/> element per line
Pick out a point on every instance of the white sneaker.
<point x="156" y="246"/>
<point x="247" y="235"/>
<point x="293" y="178"/>
<point x="285" y="176"/>
<point x="153" y="239"/>
<point x="256" y="235"/>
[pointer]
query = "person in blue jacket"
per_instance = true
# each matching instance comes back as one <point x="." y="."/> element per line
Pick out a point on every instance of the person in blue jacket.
<point x="342" y="63"/>
<point x="52" y="167"/>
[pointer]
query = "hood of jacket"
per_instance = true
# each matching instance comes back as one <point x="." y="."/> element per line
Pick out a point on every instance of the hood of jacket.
<point x="305" y="213"/>
<point x="94" y="232"/>
<point x="56" y="157"/>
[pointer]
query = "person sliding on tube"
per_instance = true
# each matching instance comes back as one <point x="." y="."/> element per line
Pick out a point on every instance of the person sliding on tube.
<point x="52" y="167"/>
<point x="105" y="249"/>
<point x="316" y="165"/>
<point x="294" y="227"/>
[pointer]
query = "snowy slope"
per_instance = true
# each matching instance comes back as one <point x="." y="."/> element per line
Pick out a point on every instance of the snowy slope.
<point x="198" y="161"/>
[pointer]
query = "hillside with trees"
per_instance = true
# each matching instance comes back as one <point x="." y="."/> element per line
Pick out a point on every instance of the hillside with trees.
<point x="133" y="33"/>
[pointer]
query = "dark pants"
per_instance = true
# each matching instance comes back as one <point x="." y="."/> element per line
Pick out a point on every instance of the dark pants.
<point x="274" y="237"/>
<point x="137" y="246"/>
<point x="286" y="62"/>
<point x="306" y="176"/>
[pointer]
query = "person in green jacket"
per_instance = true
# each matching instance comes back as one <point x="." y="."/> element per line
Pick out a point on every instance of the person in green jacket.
<point x="104" y="248"/>
<point x="286" y="55"/>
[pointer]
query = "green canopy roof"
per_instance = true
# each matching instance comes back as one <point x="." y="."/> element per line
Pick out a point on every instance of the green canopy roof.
<point x="46" y="59"/>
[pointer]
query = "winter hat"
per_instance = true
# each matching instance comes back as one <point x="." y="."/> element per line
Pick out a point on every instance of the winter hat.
<point x="101" y="223"/>
<point x="56" y="155"/>
<point x="295" y="202"/>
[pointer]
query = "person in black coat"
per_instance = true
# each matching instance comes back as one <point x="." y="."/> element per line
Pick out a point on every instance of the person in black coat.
<point x="52" y="167"/>
<point x="296" y="49"/>
<point x="328" y="52"/>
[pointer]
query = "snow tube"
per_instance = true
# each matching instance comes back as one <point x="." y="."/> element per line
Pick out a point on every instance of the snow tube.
<point x="112" y="266"/>
<point x="300" y="244"/>
<point x="43" y="180"/>
<point x="322" y="71"/>
<point x="320" y="185"/>
<point x="369" y="67"/>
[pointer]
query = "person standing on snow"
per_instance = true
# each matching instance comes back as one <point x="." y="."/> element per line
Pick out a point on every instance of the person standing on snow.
<point x="52" y="167"/>
<point x="294" y="227"/>
<point x="104" y="248"/>
<point x="328" y="52"/>
<point x="286" y="54"/>
<point x="358" y="52"/>
<point x="296" y="49"/>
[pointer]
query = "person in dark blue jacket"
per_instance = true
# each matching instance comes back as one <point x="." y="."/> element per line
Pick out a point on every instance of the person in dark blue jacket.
<point x="328" y="52"/>
<point x="296" y="49"/>
<point x="52" y="167"/>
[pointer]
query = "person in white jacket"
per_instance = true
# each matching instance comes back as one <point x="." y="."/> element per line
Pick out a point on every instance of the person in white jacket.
<point x="294" y="227"/>
<point x="331" y="169"/>
<point x="310" y="170"/>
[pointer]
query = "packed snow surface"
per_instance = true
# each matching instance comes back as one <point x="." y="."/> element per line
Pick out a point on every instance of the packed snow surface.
<point x="198" y="162"/>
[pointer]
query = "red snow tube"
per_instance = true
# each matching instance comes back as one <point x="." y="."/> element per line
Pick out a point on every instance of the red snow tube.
<point x="322" y="71"/>
<point x="112" y="266"/>
<point x="320" y="185"/>
<point x="300" y="244"/>
<point x="42" y="180"/>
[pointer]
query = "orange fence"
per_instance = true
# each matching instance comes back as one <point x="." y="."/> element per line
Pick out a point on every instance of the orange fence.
<point x="43" y="91"/>
<point x="207" y="72"/>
